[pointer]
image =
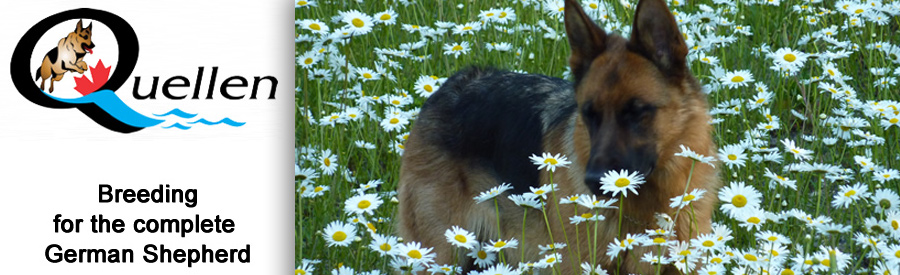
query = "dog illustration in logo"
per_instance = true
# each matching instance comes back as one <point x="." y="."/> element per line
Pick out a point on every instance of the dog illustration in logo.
<point x="67" y="56"/>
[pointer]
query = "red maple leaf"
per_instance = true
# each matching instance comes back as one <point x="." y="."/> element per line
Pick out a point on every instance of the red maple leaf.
<point x="100" y="75"/>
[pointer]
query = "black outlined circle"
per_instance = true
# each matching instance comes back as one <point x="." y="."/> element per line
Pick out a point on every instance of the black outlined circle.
<point x="127" y="41"/>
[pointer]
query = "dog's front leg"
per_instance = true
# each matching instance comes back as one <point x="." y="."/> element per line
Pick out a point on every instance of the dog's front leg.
<point x="78" y="67"/>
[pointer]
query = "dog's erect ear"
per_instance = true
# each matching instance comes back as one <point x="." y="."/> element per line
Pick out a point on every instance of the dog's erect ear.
<point x="655" y="35"/>
<point x="90" y="26"/>
<point x="78" y="27"/>
<point x="586" y="39"/>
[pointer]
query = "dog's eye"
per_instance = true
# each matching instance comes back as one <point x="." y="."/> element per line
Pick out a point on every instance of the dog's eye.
<point x="640" y="110"/>
<point x="587" y="111"/>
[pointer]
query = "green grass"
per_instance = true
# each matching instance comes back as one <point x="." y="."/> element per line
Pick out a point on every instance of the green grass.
<point x="774" y="26"/>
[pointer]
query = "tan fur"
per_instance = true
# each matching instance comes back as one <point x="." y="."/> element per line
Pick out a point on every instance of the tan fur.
<point x="436" y="191"/>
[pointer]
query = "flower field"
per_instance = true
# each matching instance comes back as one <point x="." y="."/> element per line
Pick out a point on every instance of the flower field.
<point x="803" y="96"/>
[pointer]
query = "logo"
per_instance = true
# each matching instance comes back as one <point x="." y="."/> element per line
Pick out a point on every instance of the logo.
<point x="91" y="62"/>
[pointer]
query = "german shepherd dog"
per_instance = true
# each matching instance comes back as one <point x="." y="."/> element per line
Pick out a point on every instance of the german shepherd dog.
<point x="632" y="104"/>
<point x="67" y="56"/>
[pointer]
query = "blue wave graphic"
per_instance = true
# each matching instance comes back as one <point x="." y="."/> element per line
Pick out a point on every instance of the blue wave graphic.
<point x="226" y="121"/>
<point x="177" y="112"/>
<point x="177" y="125"/>
<point x="112" y="104"/>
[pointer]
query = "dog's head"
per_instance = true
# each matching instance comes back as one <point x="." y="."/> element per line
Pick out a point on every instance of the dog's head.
<point x="632" y="93"/>
<point x="83" y="41"/>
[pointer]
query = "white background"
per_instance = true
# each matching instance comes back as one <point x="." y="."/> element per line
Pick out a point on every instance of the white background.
<point x="52" y="160"/>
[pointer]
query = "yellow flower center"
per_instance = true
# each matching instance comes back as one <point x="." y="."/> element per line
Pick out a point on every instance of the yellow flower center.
<point x="750" y="257"/>
<point x="482" y="255"/>
<point x="318" y="189"/>
<point x="593" y="6"/>
<point x="499" y="244"/>
<point x="753" y="220"/>
<point x="539" y="192"/>
<point x="716" y="260"/>
<point x="895" y="225"/>
<point x="457" y="48"/>
<point x="502" y="15"/>
<point x="339" y="236"/>
<point x="772" y="238"/>
<point x="622" y="182"/>
<point x="732" y="157"/>
<point x="658" y="240"/>
<point x="395" y="121"/>
<point x="562" y="9"/>
<point x="371" y="227"/>
<point x="790" y="57"/>
<point x="327" y="161"/>
<point x="787" y="271"/>
<point x="739" y="200"/>
<point x="708" y="243"/>
<point x="367" y="75"/>
<point x="428" y="88"/>
<point x="587" y="215"/>
<point x="684" y="252"/>
<point x="395" y="102"/>
<point x="299" y="272"/>
<point x="551" y="260"/>
<point x="460" y="238"/>
<point x="850" y="193"/>
<point x="550" y="161"/>
<point x="308" y="61"/>
<point x="687" y="198"/>
<point x="415" y="254"/>
<point x="363" y="204"/>
<point x="358" y="22"/>
<point x="385" y="17"/>
<point x="826" y="262"/>
<point x="301" y="3"/>
<point x="737" y="79"/>
<point x="490" y="14"/>
<point x="858" y="11"/>
<point x="830" y="72"/>
<point x="315" y="26"/>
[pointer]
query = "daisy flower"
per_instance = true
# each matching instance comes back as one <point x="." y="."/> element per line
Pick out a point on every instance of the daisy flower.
<point x="588" y="269"/>
<point x="546" y="160"/>
<point x="339" y="233"/>
<point x="736" y="79"/>
<point x="542" y="191"/>
<point x="384" y="245"/>
<point x="305" y="175"/>
<point x="358" y="23"/>
<point x="328" y="162"/>
<point x="621" y="182"/>
<point x="688" y="153"/>
<point x="456" y="49"/>
<point x="586" y="216"/>
<point x="789" y="59"/>
<point x="549" y="260"/>
<point x="460" y="237"/>
<point x="707" y="243"/>
<point x="685" y="199"/>
<point x="425" y="86"/>
<point x="849" y="194"/>
<point x="739" y="198"/>
<point x="754" y="219"/>
<point x="799" y="153"/>
<point x="592" y="202"/>
<point x="496" y="246"/>
<point x="885" y="175"/>
<point x="394" y="122"/>
<point x="388" y="17"/>
<point x="315" y="26"/>
<point x="733" y="155"/>
<point x="413" y="252"/>
<point x="493" y="192"/>
<point x="467" y="28"/>
<point x="362" y="204"/>
<point x="308" y="59"/>
<point x="886" y="200"/>
<point x="525" y="201"/>
<point x="445" y="269"/>
<point x="482" y="257"/>
<point x="781" y="180"/>
<point x="500" y="269"/>
<point x="364" y="144"/>
<point x="305" y="4"/>
<point x="367" y="74"/>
